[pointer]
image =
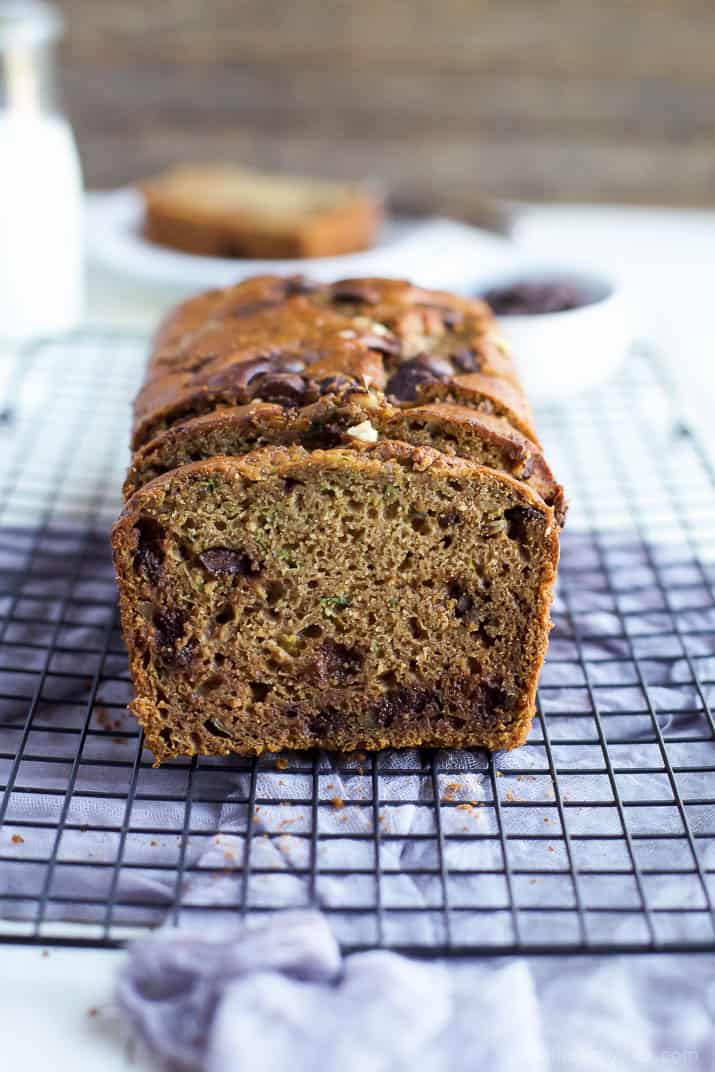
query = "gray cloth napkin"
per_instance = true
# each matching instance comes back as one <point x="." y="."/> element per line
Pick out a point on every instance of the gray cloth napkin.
<point x="277" y="995"/>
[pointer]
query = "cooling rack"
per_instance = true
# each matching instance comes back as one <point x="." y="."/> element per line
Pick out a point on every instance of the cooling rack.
<point x="597" y="836"/>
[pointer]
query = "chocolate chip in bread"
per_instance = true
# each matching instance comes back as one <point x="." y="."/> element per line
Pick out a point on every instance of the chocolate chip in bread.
<point x="391" y="596"/>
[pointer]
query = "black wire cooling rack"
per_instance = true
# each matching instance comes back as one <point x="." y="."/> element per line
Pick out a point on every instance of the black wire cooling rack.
<point x="598" y="835"/>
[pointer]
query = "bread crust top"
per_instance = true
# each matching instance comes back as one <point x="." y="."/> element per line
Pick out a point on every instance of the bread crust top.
<point x="290" y="342"/>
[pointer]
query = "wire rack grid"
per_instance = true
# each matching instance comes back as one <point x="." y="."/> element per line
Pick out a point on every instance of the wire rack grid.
<point x="598" y="835"/>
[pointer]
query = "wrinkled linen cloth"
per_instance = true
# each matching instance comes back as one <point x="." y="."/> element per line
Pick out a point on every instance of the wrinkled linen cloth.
<point x="279" y="996"/>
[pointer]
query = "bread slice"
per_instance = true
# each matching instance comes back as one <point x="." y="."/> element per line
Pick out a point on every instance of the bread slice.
<point x="221" y="210"/>
<point x="392" y="596"/>
<point x="350" y="418"/>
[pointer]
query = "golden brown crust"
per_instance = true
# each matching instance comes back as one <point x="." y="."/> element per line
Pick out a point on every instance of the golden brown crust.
<point x="267" y="373"/>
<point x="223" y="211"/>
<point x="228" y="347"/>
<point x="480" y="436"/>
<point x="281" y="461"/>
<point x="158" y="538"/>
<point x="487" y="393"/>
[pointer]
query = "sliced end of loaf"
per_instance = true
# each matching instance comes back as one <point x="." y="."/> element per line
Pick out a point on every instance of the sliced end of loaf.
<point x="337" y="598"/>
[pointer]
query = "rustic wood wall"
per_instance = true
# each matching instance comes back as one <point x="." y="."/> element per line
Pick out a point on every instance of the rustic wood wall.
<point x="541" y="99"/>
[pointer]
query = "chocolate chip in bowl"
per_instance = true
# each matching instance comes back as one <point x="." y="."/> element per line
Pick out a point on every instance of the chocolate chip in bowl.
<point x="535" y="298"/>
<point x="567" y="327"/>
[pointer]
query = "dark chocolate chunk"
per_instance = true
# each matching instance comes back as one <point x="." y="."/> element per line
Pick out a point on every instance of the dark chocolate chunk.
<point x="227" y="560"/>
<point x="466" y="699"/>
<point x="337" y="663"/>
<point x="326" y="722"/>
<point x="149" y="554"/>
<point x="487" y="698"/>
<point x="531" y="299"/>
<point x="405" y="383"/>
<point x="284" y="388"/>
<point x="405" y="703"/>
<point x="466" y="360"/>
<point x="242" y="373"/>
<point x="169" y="627"/>
<point x="518" y="519"/>
<point x="354" y="290"/>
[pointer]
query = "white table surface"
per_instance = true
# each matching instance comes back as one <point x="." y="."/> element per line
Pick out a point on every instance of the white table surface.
<point x="55" y="1004"/>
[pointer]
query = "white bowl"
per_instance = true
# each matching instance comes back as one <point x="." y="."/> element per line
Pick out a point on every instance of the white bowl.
<point x="561" y="354"/>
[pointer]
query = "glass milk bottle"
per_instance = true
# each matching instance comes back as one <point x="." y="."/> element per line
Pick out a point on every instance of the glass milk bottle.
<point x="41" y="278"/>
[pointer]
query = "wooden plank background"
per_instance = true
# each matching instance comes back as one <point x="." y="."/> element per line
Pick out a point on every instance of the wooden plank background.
<point x="444" y="102"/>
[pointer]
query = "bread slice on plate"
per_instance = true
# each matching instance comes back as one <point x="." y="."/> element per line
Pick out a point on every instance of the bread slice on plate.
<point x="222" y="210"/>
<point x="341" y="598"/>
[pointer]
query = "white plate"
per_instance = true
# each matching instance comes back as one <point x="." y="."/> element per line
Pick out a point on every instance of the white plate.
<point x="436" y="252"/>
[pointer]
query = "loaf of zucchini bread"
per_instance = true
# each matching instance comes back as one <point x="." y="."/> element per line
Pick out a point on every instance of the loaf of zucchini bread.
<point x="340" y="529"/>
